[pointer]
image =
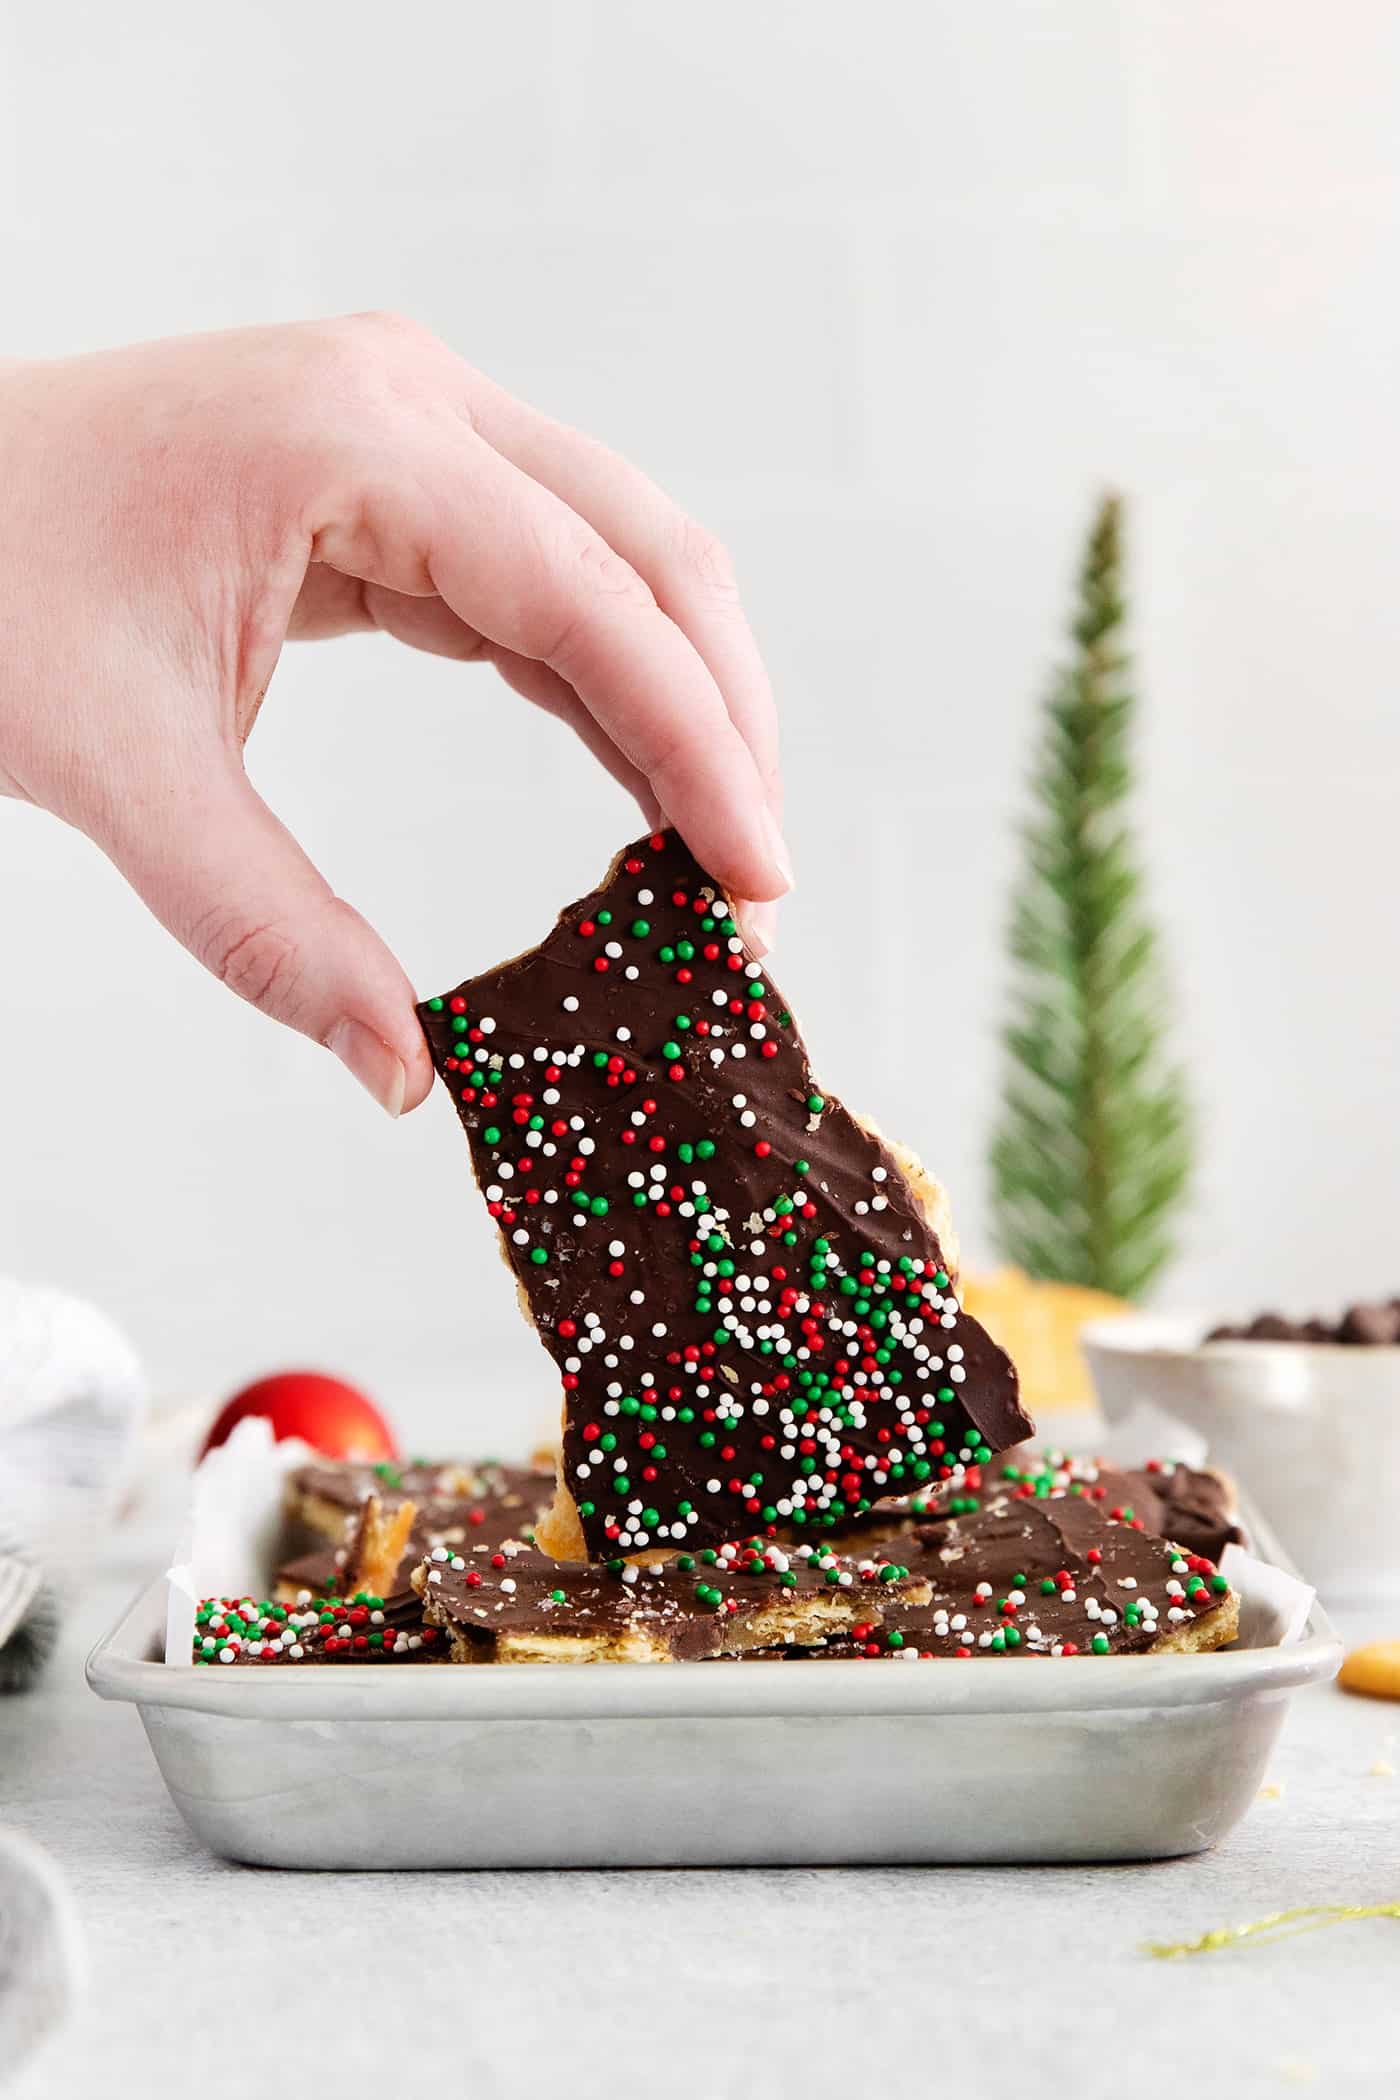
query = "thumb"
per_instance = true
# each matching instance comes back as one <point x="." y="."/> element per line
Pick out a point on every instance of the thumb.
<point x="232" y="884"/>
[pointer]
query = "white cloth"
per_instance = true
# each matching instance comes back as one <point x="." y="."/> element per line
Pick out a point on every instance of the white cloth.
<point x="72" y="1400"/>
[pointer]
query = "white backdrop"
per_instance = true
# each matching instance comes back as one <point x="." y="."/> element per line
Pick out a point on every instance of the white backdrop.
<point x="884" y="296"/>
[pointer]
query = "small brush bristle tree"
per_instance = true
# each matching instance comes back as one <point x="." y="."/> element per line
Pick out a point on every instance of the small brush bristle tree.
<point x="1091" y="1155"/>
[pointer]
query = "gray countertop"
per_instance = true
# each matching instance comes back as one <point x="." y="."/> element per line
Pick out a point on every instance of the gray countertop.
<point x="991" y="1982"/>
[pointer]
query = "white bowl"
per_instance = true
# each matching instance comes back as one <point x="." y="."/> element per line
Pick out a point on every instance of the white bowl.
<point x="1310" y="1429"/>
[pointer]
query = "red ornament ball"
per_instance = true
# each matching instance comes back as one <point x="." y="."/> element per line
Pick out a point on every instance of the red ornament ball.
<point x="331" y="1416"/>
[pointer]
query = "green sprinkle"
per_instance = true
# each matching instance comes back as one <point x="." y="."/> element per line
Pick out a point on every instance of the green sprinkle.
<point x="670" y="1051"/>
<point x="816" y="1103"/>
<point x="1099" y="1644"/>
<point x="539" y="1256"/>
<point x="641" y="928"/>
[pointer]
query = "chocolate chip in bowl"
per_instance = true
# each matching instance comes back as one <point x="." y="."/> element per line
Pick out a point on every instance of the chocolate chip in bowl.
<point x="1367" y="1326"/>
<point x="1307" y="1420"/>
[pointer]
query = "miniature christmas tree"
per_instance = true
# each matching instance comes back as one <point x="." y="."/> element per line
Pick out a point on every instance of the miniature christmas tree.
<point x="1092" y="1153"/>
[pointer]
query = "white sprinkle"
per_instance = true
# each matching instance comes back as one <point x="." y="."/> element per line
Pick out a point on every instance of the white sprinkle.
<point x="624" y="1035"/>
<point x="570" y="1004"/>
<point x="645" y="897"/>
<point x="487" y="1025"/>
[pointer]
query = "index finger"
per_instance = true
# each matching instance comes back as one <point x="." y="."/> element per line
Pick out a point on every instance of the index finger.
<point x="687" y="569"/>
<point x="529" y="573"/>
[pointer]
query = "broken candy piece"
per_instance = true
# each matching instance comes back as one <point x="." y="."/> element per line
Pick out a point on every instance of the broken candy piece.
<point x="505" y="1502"/>
<point x="1048" y="1575"/>
<point x="361" y="1628"/>
<point x="747" y="1291"/>
<point x="320" y="1496"/>
<point x="1058" y="1575"/>
<point x="517" y="1606"/>
<point x="377" y="1545"/>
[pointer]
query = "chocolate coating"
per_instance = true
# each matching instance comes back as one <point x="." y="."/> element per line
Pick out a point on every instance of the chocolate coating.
<point x="505" y="1502"/>
<point x="518" y="1606"/>
<point x="738" y="1282"/>
<point x="262" y="1633"/>
<point x="1046" y="1575"/>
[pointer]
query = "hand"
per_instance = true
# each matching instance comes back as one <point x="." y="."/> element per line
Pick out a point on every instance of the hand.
<point x="171" y="513"/>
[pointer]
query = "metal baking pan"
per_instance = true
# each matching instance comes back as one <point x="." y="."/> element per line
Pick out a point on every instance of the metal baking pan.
<point x="717" y="1764"/>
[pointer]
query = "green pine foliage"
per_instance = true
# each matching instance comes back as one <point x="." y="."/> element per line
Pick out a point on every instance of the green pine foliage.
<point x="1091" y="1155"/>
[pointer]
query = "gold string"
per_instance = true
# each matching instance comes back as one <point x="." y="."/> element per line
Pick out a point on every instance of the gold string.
<point x="1280" y="1925"/>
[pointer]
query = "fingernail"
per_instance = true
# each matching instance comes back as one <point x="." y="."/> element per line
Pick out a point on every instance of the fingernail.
<point x="759" y="923"/>
<point x="777" y="847"/>
<point x="372" y="1062"/>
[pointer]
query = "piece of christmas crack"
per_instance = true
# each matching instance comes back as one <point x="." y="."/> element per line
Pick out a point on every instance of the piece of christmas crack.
<point x="517" y="1606"/>
<point x="319" y="1497"/>
<point x="1055" y="1575"/>
<point x="748" y="1291"/>
<point x="506" y="1502"/>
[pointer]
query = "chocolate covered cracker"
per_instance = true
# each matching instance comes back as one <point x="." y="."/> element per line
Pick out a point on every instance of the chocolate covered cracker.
<point x="748" y="1292"/>
<point x="362" y="1627"/>
<point x="517" y="1606"/>
<point x="1049" y="1575"/>
<point x="322" y="1495"/>
<point x="1197" y="1505"/>
<point x="504" y="1502"/>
